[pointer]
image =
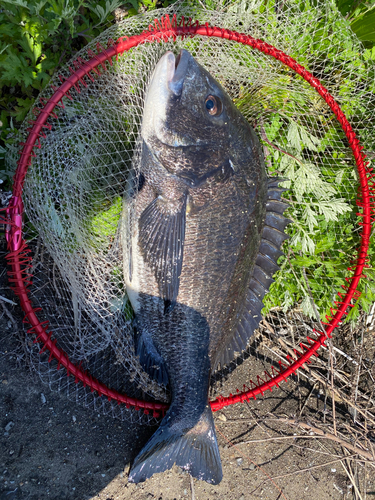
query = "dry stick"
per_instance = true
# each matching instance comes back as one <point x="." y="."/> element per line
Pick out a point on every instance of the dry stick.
<point x="309" y="468"/>
<point x="307" y="399"/>
<point x="268" y="326"/>
<point x="320" y="379"/>
<point x="306" y="448"/>
<point x="350" y="430"/>
<point x="255" y="418"/>
<point x="369" y="374"/>
<point x="332" y="387"/>
<point x="308" y="327"/>
<point x="192" y="488"/>
<point x="265" y="139"/>
<point x="311" y="372"/>
<point x="355" y="476"/>
<point x="280" y="438"/>
<point x="316" y="376"/>
<point x="5" y="309"/>
<point x="370" y="445"/>
<point x="363" y="436"/>
<point x="292" y="354"/>
<point x="229" y="420"/>
<point x="328" y="435"/>
<point x="8" y="300"/>
<point x="347" y="382"/>
<point x="359" y="373"/>
<point x="317" y="359"/>
<point x="252" y="461"/>
<point x="349" y="473"/>
<point x="281" y="355"/>
<point x="317" y="317"/>
<point x="342" y="353"/>
<point x="348" y="470"/>
<point x="346" y="400"/>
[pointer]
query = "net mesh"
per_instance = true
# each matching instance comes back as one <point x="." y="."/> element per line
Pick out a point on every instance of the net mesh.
<point x="74" y="188"/>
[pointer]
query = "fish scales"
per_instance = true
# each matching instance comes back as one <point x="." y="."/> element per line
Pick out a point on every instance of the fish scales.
<point x="194" y="217"/>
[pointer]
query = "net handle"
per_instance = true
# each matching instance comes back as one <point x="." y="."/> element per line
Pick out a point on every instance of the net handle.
<point x="19" y="259"/>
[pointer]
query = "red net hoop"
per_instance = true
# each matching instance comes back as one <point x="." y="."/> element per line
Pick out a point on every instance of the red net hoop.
<point x="82" y="73"/>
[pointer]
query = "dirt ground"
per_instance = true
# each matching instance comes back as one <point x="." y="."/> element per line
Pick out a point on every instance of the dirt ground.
<point x="52" y="448"/>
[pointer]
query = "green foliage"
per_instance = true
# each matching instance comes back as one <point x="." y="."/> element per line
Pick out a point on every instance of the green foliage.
<point x="38" y="36"/>
<point x="364" y="26"/>
<point x="324" y="235"/>
<point x="321" y="238"/>
<point x="104" y="224"/>
<point x="361" y="16"/>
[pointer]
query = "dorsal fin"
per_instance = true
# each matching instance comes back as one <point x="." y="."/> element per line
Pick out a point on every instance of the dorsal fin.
<point x="273" y="236"/>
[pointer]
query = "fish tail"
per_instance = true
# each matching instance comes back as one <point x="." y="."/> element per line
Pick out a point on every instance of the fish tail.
<point x="196" y="450"/>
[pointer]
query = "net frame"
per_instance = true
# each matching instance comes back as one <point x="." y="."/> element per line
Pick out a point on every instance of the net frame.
<point x="19" y="258"/>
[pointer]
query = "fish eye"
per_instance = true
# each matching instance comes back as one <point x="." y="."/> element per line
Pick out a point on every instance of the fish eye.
<point x="213" y="105"/>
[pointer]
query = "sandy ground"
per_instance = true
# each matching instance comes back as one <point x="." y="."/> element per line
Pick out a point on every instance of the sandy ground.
<point x="52" y="448"/>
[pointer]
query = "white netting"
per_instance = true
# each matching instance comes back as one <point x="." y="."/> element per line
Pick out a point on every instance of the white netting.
<point x="73" y="190"/>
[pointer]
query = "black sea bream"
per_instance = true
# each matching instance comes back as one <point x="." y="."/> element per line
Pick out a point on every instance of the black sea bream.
<point x="202" y="233"/>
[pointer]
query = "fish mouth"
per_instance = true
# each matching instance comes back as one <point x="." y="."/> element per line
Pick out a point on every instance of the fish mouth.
<point x="165" y="88"/>
<point x="177" y="71"/>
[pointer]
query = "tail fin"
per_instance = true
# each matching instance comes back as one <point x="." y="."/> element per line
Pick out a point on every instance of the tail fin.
<point x="195" y="451"/>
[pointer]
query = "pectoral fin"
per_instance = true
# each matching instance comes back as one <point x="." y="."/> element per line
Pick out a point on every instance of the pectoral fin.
<point x="161" y="239"/>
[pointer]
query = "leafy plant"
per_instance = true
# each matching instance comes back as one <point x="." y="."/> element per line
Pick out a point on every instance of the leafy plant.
<point x="361" y="16"/>
<point x="324" y="235"/>
<point x="38" y="36"/>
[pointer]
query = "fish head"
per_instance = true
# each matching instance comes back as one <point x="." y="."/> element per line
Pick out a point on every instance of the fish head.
<point x="189" y="121"/>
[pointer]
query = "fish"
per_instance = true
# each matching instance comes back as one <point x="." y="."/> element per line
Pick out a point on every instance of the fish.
<point x="202" y="230"/>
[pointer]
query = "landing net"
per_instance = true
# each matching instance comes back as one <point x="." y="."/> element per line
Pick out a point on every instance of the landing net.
<point x="305" y="84"/>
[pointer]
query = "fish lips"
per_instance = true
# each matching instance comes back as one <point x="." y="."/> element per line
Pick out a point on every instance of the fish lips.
<point x="170" y="71"/>
<point x="180" y="70"/>
<point x="166" y="85"/>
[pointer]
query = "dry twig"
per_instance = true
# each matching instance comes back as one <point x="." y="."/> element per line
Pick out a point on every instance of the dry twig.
<point x="192" y="488"/>
<point x="311" y="373"/>
<point x="309" y="468"/>
<point x="307" y="399"/>
<point x="350" y="475"/>
<point x="355" y="449"/>
<point x="8" y="313"/>
<point x="252" y="461"/>
<point x="4" y="299"/>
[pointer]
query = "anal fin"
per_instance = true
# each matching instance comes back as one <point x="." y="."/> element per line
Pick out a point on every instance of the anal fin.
<point x="149" y="358"/>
